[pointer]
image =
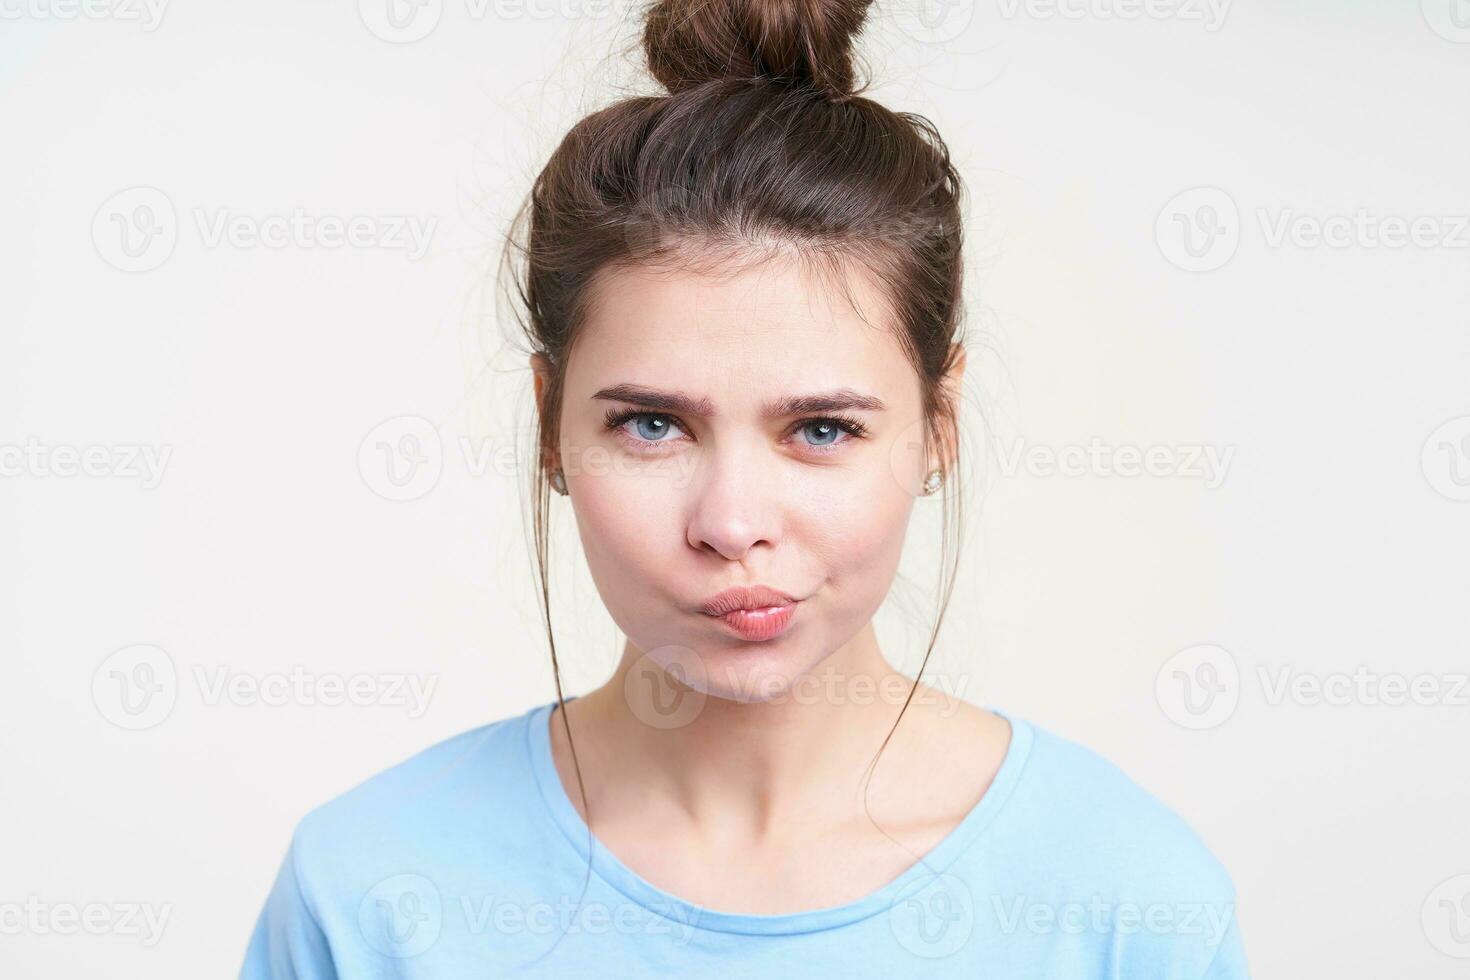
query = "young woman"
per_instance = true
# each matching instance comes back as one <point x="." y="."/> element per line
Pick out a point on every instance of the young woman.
<point x="742" y="300"/>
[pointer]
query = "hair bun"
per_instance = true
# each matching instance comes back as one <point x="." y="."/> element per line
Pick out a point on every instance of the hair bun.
<point x="797" y="42"/>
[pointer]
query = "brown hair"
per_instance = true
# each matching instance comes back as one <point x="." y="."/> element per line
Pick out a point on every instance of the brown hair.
<point x="761" y="146"/>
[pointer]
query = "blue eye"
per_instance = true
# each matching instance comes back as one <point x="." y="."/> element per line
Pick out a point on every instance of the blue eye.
<point x="657" y="426"/>
<point x="651" y="426"/>
<point x="827" y="437"/>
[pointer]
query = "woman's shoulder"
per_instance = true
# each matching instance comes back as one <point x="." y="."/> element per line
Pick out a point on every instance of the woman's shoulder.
<point x="406" y="838"/>
<point x="457" y="789"/>
<point x="1098" y="821"/>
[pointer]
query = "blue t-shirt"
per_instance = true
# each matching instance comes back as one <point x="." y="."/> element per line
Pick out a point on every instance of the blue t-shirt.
<point x="469" y="860"/>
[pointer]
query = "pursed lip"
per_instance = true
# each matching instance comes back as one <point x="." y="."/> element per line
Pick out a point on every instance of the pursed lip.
<point x="745" y="597"/>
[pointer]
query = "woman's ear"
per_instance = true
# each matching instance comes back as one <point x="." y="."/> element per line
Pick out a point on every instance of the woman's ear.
<point x="541" y="369"/>
<point x="950" y="384"/>
<point x="541" y="380"/>
<point x="956" y="371"/>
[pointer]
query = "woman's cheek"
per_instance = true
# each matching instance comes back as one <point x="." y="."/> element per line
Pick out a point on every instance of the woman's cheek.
<point x="628" y="534"/>
<point x="862" y="537"/>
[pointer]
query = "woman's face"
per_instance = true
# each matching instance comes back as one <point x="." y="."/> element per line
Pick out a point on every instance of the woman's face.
<point x="731" y="487"/>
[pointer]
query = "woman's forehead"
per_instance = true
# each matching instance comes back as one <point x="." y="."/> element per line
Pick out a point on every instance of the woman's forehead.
<point x="758" y="315"/>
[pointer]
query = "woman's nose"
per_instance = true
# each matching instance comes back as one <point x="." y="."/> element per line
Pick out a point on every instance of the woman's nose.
<point x="736" y="504"/>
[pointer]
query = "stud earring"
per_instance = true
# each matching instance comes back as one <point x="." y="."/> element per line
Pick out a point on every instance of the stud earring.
<point x="933" y="482"/>
<point x="559" y="482"/>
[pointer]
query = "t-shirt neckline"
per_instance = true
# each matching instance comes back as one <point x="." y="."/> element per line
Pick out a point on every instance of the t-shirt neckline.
<point x="634" y="887"/>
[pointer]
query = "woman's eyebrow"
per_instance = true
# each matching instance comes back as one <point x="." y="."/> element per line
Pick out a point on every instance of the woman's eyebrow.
<point x="842" y="399"/>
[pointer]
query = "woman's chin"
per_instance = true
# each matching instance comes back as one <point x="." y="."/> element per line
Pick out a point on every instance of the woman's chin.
<point x="689" y="673"/>
<point x="751" y="674"/>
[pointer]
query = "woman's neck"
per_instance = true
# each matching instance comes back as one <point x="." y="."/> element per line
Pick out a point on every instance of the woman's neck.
<point x="740" y="769"/>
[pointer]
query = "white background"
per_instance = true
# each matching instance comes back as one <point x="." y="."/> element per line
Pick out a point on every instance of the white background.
<point x="1332" y="542"/>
